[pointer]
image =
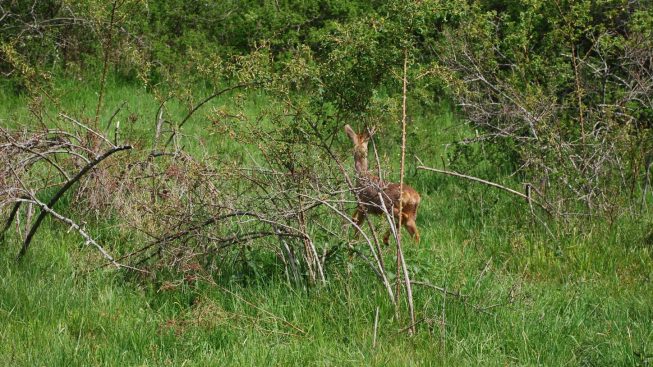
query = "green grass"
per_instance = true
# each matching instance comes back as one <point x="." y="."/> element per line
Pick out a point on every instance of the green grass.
<point x="581" y="298"/>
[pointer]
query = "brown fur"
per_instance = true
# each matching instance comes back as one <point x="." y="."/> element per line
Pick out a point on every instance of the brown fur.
<point x="369" y="186"/>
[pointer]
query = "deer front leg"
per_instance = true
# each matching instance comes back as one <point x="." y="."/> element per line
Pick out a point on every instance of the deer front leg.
<point x="412" y="229"/>
<point x="386" y="238"/>
<point x="359" y="216"/>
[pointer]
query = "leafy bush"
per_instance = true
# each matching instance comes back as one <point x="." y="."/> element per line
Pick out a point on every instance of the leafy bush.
<point x="563" y="84"/>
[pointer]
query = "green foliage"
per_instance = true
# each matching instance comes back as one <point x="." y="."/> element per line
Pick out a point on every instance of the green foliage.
<point x="537" y="291"/>
<point x="556" y="83"/>
<point x="582" y="299"/>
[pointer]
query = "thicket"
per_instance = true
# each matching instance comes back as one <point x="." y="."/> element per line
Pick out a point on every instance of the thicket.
<point x="559" y="92"/>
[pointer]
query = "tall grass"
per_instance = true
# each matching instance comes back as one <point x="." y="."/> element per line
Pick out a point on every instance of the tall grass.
<point x="577" y="297"/>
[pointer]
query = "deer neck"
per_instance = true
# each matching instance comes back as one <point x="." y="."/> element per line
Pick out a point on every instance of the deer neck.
<point x="360" y="163"/>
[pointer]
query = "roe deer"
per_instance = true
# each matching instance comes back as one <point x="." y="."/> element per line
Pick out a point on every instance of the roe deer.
<point x="368" y="188"/>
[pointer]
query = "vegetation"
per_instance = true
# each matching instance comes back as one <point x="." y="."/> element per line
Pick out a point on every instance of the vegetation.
<point x="195" y="184"/>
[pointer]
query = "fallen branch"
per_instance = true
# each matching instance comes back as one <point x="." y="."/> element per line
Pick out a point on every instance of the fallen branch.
<point x="437" y="288"/>
<point x="73" y="225"/>
<point x="457" y="295"/>
<point x="224" y="241"/>
<point x="62" y="190"/>
<point x="12" y="215"/>
<point x="80" y="230"/>
<point x="488" y="183"/>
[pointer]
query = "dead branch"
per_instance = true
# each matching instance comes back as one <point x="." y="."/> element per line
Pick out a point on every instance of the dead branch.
<point x="378" y="264"/>
<point x="62" y="191"/>
<point x="78" y="228"/>
<point x="485" y="182"/>
<point x="10" y="219"/>
<point x="76" y="122"/>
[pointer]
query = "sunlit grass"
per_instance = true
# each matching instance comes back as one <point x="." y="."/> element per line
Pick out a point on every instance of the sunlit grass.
<point x="531" y="298"/>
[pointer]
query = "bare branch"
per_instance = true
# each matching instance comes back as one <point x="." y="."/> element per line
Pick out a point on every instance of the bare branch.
<point x="62" y="191"/>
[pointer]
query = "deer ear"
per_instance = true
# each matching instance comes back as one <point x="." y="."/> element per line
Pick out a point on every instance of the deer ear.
<point x="351" y="133"/>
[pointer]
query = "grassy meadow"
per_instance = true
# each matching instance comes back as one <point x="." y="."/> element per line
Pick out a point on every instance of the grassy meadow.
<point x="579" y="295"/>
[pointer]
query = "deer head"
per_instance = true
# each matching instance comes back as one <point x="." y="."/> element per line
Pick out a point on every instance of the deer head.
<point x="360" y="140"/>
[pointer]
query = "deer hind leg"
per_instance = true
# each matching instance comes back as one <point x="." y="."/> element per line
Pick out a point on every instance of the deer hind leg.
<point x="408" y="222"/>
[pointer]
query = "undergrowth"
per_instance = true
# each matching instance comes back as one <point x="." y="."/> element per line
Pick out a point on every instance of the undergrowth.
<point x="510" y="290"/>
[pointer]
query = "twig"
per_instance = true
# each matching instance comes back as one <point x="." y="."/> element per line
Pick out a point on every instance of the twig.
<point x="437" y="288"/>
<point x="87" y="129"/>
<point x="116" y="133"/>
<point x="457" y="295"/>
<point x="158" y="123"/>
<point x="203" y="102"/>
<point x="443" y="322"/>
<point x="44" y="156"/>
<point x="286" y="322"/>
<point x="310" y="254"/>
<point x="376" y="327"/>
<point x="401" y="261"/>
<point x="482" y="273"/>
<point x="384" y="278"/>
<point x="212" y="220"/>
<point x="115" y="113"/>
<point x="411" y="326"/>
<point x="105" y="64"/>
